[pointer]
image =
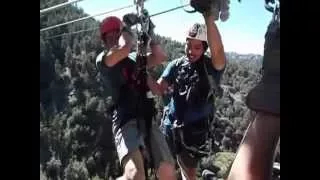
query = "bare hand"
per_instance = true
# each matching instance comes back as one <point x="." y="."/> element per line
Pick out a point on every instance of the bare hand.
<point x="157" y="57"/>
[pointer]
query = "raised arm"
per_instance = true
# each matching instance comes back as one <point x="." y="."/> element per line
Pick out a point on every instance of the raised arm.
<point x="119" y="51"/>
<point x="218" y="57"/>
<point x="156" y="57"/>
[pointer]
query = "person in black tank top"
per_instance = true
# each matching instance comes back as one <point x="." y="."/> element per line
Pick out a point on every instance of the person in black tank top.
<point x="117" y="66"/>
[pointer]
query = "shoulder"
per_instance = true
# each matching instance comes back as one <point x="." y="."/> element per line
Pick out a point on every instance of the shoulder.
<point x="180" y="60"/>
<point x="176" y="62"/>
<point x="170" y="69"/>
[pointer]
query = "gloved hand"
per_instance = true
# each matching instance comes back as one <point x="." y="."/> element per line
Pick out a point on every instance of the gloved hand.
<point x="219" y="9"/>
<point x="201" y="6"/>
<point x="216" y="8"/>
<point x="151" y="25"/>
<point x="224" y="10"/>
<point x="151" y="34"/>
<point x="130" y="19"/>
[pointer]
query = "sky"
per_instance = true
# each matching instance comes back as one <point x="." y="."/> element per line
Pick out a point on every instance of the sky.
<point x="243" y="32"/>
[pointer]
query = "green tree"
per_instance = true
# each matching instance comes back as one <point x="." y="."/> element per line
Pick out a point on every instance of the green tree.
<point x="76" y="170"/>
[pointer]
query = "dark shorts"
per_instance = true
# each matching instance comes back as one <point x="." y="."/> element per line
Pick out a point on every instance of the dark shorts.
<point x="193" y="136"/>
<point x="185" y="158"/>
<point x="265" y="96"/>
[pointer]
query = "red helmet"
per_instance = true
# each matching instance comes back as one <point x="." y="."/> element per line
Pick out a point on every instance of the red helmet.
<point x="110" y="24"/>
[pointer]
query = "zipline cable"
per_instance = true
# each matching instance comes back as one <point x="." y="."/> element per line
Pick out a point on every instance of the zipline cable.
<point x="84" y="18"/>
<point x="42" y="11"/>
<point x="95" y="28"/>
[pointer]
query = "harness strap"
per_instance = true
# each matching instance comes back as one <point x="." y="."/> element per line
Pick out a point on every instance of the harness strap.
<point x="212" y="82"/>
<point x="214" y="88"/>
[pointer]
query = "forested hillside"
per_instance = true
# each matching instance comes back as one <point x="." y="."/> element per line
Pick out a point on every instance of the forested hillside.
<point x="72" y="107"/>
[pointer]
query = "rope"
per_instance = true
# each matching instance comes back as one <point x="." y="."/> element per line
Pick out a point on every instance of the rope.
<point x="92" y="29"/>
<point x="81" y="19"/>
<point x="178" y="7"/>
<point x="58" y="6"/>
<point x="76" y="32"/>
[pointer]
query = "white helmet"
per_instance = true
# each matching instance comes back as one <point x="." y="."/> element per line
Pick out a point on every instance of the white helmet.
<point x="198" y="31"/>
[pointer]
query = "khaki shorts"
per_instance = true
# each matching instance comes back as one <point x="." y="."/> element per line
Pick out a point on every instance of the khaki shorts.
<point x="127" y="139"/>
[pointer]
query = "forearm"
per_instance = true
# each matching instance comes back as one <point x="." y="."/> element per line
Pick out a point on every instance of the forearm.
<point x="215" y="44"/>
<point x="157" y="56"/>
<point x="121" y="50"/>
<point x="115" y="55"/>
